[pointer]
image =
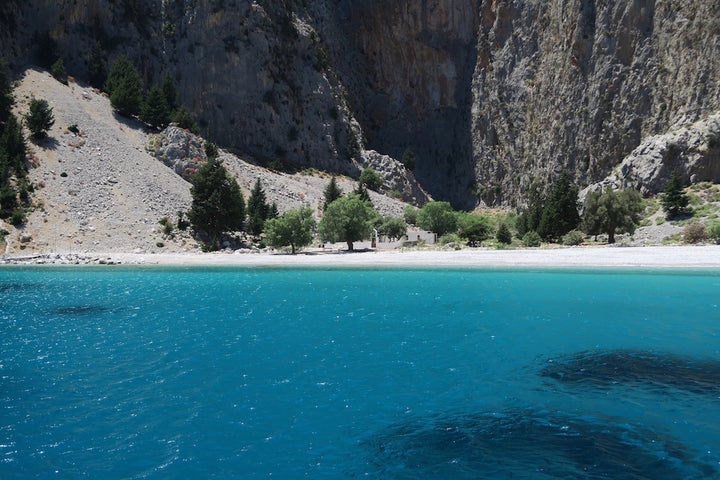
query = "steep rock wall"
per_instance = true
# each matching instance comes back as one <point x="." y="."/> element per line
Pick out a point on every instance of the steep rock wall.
<point x="409" y="74"/>
<point x="577" y="84"/>
<point x="490" y="95"/>
<point x="255" y="73"/>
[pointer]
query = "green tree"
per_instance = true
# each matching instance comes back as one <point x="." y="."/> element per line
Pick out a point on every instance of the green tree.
<point x="410" y="215"/>
<point x="273" y="212"/>
<point x="503" y="234"/>
<point x="169" y="91"/>
<point x="154" y="109"/>
<point x="124" y="87"/>
<point x="408" y="159"/>
<point x="560" y="213"/>
<point x="211" y="150"/>
<point x="362" y="192"/>
<point x="348" y="219"/>
<point x="257" y="209"/>
<point x="218" y="205"/>
<point x="40" y="118"/>
<point x="12" y="150"/>
<point x="97" y="67"/>
<point x="294" y="228"/>
<point x="7" y="100"/>
<point x="437" y="217"/>
<point x="529" y="218"/>
<point x="331" y="193"/>
<point x="58" y="71"/>
<point x="673" y="199"/>
<point x="713" y="231"/>
<point x="8" y="201"/>
<point x="46" y="50"/>
<point x="371" y="179"/>
<point x="184" y="119"/>
<point x="612" y="212"/>
<point x="393" y="228"/>
<point x="474" y="228"/>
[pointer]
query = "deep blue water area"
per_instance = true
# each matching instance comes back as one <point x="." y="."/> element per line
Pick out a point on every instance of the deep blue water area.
<point x="138" y="372"/>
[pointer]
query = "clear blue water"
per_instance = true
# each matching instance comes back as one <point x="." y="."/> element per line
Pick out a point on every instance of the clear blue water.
<point x="353" y="373"/>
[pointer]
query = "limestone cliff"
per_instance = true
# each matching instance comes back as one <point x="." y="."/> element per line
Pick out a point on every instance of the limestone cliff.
<point x="490" y="95"/>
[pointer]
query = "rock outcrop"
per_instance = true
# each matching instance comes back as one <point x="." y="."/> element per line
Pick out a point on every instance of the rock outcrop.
<point x="178" y="149"/>
<point x="490" y="95"/>
<point x="691" y="151"/>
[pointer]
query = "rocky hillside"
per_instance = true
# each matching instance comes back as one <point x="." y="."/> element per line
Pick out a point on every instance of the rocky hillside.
<point x="490" y="95"/>
<point x="105" y="185"/>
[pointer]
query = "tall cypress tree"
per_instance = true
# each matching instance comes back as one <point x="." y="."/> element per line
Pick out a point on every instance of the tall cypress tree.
<point x="674" y="200"/>
<point x="7" y="100"/>
<point x="155" y="110"/>
<point x="560" y="214"/>
<point x="257" y="209"/>
<point x="97" y="67"/>
<point x="331" y="193"/>
<point x="218" y="205"/>
<point x="124" y="87"/>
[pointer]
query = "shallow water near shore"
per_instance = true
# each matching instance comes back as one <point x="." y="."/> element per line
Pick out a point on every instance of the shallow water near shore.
<point x="347" y="373"/>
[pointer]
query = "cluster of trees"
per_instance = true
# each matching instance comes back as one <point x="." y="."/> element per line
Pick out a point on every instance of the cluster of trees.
<point x="218" y="205"/>
<point x="15" y="187"/>
<point x="158" y="107"/>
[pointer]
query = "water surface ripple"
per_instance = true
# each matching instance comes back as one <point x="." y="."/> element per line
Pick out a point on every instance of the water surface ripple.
<point x="342" y="373"/>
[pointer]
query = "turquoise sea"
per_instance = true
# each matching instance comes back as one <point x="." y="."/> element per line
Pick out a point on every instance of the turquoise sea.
<point x="183" y="373"/>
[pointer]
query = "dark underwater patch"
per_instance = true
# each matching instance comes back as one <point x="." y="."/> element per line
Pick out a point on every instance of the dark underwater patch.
<point x="528" y="444"/>
<point x="7" y="287"/>
<point x="80" y="310"/>
<point x="636" y="367"/>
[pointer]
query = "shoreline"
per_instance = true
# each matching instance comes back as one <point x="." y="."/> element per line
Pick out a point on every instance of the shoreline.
<point x="703" y="257"/>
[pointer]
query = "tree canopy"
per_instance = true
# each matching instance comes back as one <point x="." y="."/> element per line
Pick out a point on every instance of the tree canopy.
<point x="437" y="217"/>
<point x="408" y="159"/>
<point x="258" y="209"/>
<point x="331" y="193"/>
<point x="294" y="228"/>
<point x="392" y="227"/>
<point x="218" y="205"/>
<point x="673" y="199"/>
<point x="7" y="99"/>
<point x="371" y="179"/>
<point x="560" y="213"/>
<point x="155" y="110"/>
<point x="97" y="67"/>
<point x="40" y="118"/>
<point x="474" y="228"/>
<point x="124" y="87"/>
<point x="348" y="219"/>
<point x="612" y="212"/>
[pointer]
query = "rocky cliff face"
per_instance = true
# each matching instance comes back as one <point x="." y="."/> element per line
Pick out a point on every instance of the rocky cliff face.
<point x="490" y="95"/>
<point x="577" y="84"/>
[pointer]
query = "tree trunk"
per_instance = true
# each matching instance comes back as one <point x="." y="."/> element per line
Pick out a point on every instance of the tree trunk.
<point x="350" y="245"/>
<point x="292" y="248"/>
<point x="611" y="235"/>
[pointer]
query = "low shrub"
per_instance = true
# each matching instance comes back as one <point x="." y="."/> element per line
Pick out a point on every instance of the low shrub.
<point x="18" y="217"/>
<point x="449" y="238"/>
<point x="574" y="237"/>
<point x="694" y="233"/>
<point x="713" y="232"/>
<point x="531" y="239"/>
